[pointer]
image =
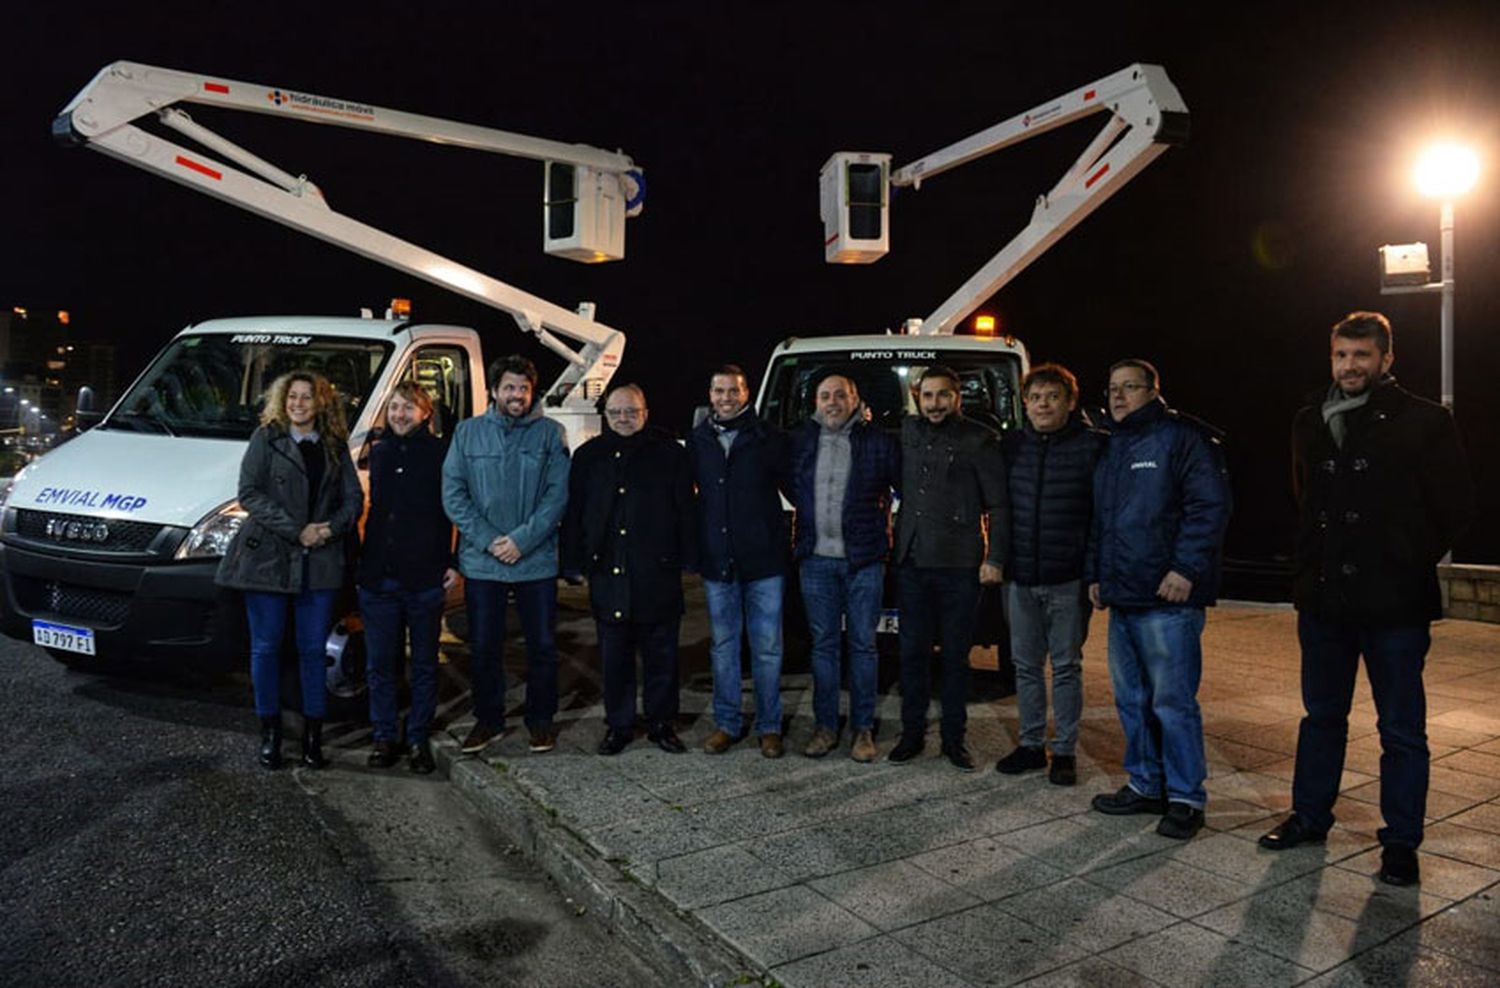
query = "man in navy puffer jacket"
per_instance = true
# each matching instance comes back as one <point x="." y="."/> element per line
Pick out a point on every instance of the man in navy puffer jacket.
<point x="1049" y="465"/>
<point x="1161" y="505"/>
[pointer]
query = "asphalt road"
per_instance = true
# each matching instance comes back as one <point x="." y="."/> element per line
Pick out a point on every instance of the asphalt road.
<point x="141" y="844"/>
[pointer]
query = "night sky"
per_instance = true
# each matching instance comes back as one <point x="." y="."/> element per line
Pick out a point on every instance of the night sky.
<point x="1225" y="262"/>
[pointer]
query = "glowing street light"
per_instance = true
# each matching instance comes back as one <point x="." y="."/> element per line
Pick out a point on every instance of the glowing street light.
<point x="1443" y="172"/>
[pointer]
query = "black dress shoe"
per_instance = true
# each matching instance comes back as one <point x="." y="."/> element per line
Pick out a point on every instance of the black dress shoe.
<point x="909" y="747"/>
<point x="384" y="754"/>
<point x="312" y="743"/>
<point x="1398" y="865"/>
<point x="1127" y="801"/>
<point x="270" y="741"/>
<point x="1291" y="832"/>
<point x="958" y="756"/>
<point x="667" y="740"/>
<point x="615" y="742"/>
<point x="421" y="758"/>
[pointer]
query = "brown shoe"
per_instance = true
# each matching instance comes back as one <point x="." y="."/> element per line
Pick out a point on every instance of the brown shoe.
<point x="823" y="741"/>
<point x="718" y="742"/>
<point x="864" y="747"/>
<point x="771" y="746"/>
<point x="479" y="738"/>
<point x="543" y="739"/>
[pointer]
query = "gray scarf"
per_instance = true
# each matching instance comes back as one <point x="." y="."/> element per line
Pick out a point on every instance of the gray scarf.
<point x="1338" y="404"/>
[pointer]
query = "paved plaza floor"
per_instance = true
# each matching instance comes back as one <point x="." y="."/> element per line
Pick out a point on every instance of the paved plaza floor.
<point x="829" y="872"/>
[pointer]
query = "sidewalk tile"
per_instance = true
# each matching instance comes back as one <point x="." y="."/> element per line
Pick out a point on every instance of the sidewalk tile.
<point x="1177" y="888"/>
<point x="1087" y="915"/>
<point x="1404" y="961"/>
<point x="1089" y="841"/>
<point x="715" y="875"/>
<point x="1485" y="816"/>
<point x="988" y="869"/>
<point x="1440" y="876"/>
<point x="878" y="963"/>
<point x="1191" y="956"/>
<point x="1470" y="931"/>
<point x="890" y="896"/>
<point x="1244" y="861"/>
<point x="1090" y="973"/>
<point x="785" y="925"/>
<point x="990" y="947"/>
<point x="1462" y="844"/>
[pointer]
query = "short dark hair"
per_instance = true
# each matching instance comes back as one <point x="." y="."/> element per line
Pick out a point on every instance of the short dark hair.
<point x="1052" y="374"/>
<point x="1153" y="379"/>
<point x="836" y="370"/>
<point x="1365" y="326"/>
<point x="513" y="364"/>
<point x="940" y="370"/>
<point x="730" y="370"/>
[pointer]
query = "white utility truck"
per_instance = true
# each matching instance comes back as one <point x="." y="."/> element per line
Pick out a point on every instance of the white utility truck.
<point x="108" y="545"/>
<point x="1146" y="115"/>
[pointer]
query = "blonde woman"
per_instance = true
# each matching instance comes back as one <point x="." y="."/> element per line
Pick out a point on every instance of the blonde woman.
<point x="299" y="488"/>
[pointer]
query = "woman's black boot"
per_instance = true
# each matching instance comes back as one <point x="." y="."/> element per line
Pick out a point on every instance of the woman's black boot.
<point x="312" y="743"/>
<point x="270" y="741"/>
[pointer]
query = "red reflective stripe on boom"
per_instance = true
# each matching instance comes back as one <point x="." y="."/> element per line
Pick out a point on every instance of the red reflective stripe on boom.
<point x="1096" y="176"/>
<point x="201" y="169"/>
<point x="1089" y="95"/>
<point x="216" y="87"/>
<point x="830" y="240"/>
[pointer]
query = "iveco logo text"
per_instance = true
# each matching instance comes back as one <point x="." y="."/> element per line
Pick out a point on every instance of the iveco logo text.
<point x="1143" y="465"/>
<point x="77" y="531"/>
<point x="893" y="355"/>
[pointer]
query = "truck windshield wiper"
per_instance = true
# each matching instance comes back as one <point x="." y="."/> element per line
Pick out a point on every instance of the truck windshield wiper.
<point x="136" y="420"/>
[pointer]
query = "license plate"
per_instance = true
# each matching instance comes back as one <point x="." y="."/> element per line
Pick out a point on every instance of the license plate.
<point x="63" y="636"/>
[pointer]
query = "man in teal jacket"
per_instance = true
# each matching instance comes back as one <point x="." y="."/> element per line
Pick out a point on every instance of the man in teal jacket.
<point x="505" y="486"/>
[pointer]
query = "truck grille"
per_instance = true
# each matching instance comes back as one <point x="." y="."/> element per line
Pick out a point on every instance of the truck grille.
<point x="102" y="607"/>
<point x="85" y="533"/>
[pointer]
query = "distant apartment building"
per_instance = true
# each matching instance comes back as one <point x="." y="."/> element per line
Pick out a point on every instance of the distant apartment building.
<point x="44" y="361"/>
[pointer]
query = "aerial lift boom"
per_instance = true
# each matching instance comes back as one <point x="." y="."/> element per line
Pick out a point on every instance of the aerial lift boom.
<point x="1146" y="116"/>
<point x="602" y="188"/>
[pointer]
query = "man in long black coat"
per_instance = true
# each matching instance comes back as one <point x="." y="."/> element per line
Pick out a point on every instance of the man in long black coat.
<point x="629" y="530"/>
<point x="1382" y="492"/>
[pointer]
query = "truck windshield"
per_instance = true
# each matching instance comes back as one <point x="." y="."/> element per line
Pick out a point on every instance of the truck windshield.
<point x="214" y="385"/>
<point x="991" y="384"/>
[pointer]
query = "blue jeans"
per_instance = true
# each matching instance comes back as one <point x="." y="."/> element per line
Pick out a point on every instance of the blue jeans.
<point x="1048" y="620"/>
<point x="536" y="602"/>
<point x="1155" y="663"/>
<point x="832" y="594"/>
<point x="1394" y="658"/>
<point x="389" y="613"/>
<point x="937" y="608"/>
<point x="734" y="609"/>
<point x="312" y="612"/>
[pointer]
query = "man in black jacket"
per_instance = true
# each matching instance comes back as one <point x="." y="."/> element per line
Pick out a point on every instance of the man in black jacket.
<point x="738" y="461"/>
<point x="952" y="476"/>
<point x="629" y="529"/>
<point x="1382" y="492"/>
<point x="1049" y="467"/>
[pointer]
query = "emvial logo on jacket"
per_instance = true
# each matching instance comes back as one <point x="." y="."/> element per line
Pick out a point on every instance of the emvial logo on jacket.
<point x="1143" y="465"/>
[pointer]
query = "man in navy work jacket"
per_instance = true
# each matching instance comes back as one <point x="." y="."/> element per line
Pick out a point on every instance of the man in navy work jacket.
<point x="1161" y="506"/>
<point x="843" y="473"/>
<point x="629" y="529"/>
<point x="1382" y="492"/>
<point x="737" y="462"/>
<point x="505" y="485"/>
<point x="1049" y="467"/>
<point x="952" y="476"/>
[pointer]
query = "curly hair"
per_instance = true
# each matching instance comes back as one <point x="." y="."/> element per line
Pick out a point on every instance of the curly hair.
<point x="329" y="410"/>
<point x="417" y="395"/>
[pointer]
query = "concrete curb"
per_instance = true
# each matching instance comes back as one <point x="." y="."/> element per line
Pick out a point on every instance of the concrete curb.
<point x="675" y="947"/>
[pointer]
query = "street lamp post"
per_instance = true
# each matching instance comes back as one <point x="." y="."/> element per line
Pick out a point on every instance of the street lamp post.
<point x="1443" y="172"/>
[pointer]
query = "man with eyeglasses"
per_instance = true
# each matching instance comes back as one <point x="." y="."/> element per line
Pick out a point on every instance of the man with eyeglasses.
<point x="1161" y="507"/>
<point x="629" y="530"/>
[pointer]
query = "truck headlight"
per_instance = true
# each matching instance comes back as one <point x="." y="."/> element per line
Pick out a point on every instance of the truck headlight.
<point x="210" y="538"/>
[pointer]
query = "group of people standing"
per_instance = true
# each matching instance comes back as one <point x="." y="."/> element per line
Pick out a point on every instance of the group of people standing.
<point x="1128" y="513"/>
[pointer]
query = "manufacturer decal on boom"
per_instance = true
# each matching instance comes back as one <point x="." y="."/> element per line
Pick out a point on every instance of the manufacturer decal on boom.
<point x="320" y="104"/>
<point x="74" y="498"/>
